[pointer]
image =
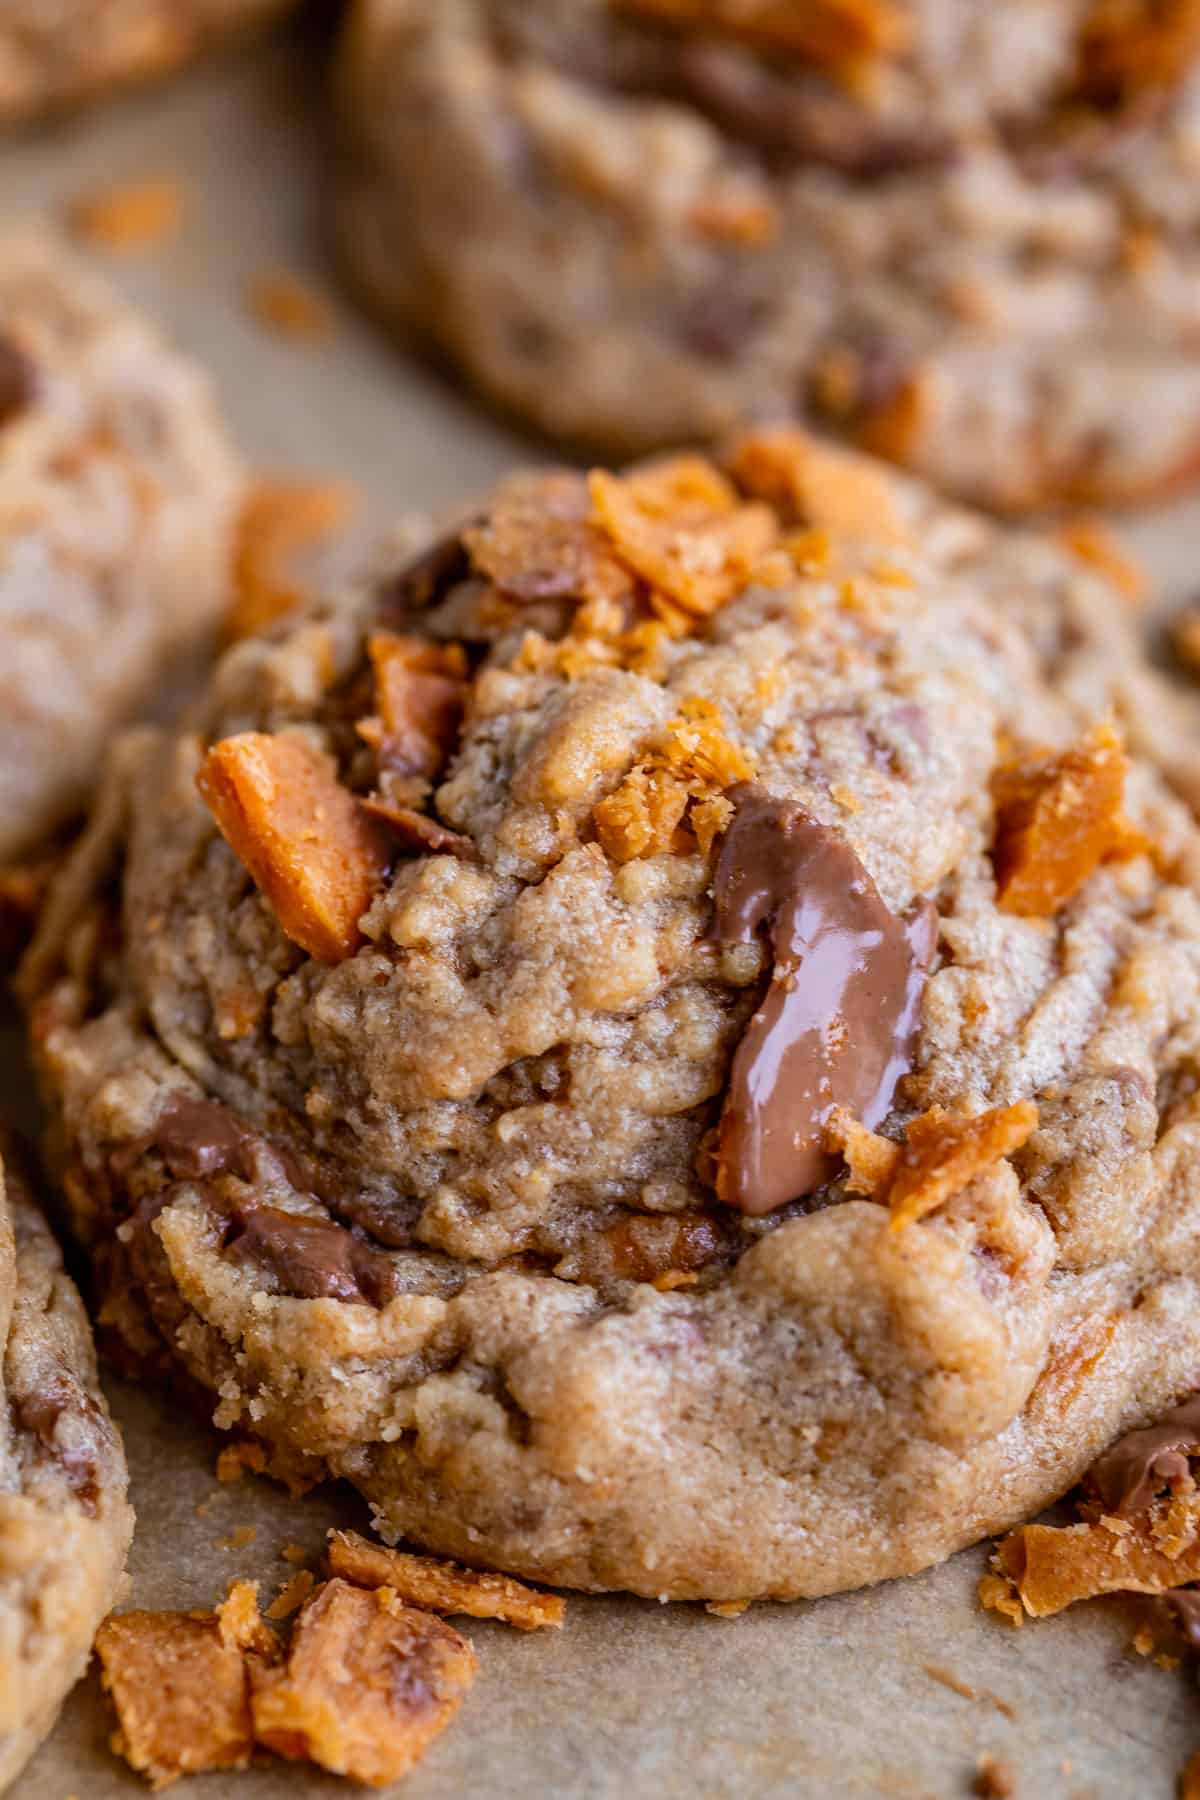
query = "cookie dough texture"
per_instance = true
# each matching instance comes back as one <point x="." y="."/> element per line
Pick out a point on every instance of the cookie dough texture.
<point x="65" y="1524"/>
<point x="974" y="247"/>
<point x="118" y="496"/>
<point x="436" y="1215"/>
<point x="56" y="54"/>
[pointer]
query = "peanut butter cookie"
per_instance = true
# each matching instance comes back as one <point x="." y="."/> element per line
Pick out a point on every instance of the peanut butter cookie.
<point x="659" y="1038"/>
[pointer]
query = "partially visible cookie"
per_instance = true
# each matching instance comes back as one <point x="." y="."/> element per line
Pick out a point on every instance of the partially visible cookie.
<point x="57" y="56"/>
<point x="964" y="235"/>
<point x="65" y="1523"/>
<point x="118" y="498"/>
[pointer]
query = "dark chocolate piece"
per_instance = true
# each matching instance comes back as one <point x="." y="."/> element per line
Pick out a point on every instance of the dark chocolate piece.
<point x="198" y="1139"/>
<point x="1140" y="1464"/>
<point x="839" y="1019"/>
<point x="313" y="1259"/>
<point x="424" y="580"/>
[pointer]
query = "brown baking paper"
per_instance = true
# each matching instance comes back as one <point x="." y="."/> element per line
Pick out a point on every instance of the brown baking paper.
<point x="828" y="1699"/>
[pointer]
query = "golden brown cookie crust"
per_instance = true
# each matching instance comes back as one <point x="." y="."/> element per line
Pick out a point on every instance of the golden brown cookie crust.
<point x="439" y="1208"/>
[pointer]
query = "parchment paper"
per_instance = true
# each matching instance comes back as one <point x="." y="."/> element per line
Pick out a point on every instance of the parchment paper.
<point x="825" y="1699"/>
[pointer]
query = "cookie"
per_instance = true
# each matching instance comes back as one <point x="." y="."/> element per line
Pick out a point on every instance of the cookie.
<point x="118" y="499"/>
<point x="65" y="1523"/>
<point x="55" y="57"/>
<point x="658" y="1037"/>
<point x="637" y="222"/>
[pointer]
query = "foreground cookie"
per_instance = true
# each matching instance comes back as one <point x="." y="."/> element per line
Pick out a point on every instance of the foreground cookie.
<point x="422" y="1090"/>
<point x="65" y="1524"/>
<point x="118" y="493"/>
<point x="56" y="56"/>
<point x="966" y="235"/>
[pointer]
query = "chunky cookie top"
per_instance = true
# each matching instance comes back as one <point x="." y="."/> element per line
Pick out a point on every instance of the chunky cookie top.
<point x="655" y="856"/>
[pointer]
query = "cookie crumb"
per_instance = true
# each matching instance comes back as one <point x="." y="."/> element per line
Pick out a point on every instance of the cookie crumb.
<point x="235" y="1459"/>
<point x="995" y="1779"/>
<point x="442" y="1587"/>
<point x="1189" y="1780"/>
<point x="134" y="216"/>
<point x="292" y="1595"/>
<point x="294" y="1553"/>
<point x="998" y="1594"/>
<point x="290" y="307"/>
<point x="239" y="1537"/>
<point x="726" y="1609"/>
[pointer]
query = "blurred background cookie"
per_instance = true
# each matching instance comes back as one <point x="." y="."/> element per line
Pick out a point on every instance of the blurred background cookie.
<point x="636" y="221"/>
<point x="58" y="53"/>
<point x="119" y="494"/>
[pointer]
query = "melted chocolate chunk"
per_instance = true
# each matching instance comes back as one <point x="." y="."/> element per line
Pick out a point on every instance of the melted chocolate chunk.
<point x="74" y="1452"/>
<point x="313" y="1259"/>
<point x="1140" y="1464"/>
<point x="18" y="381"/>
<point x="198" y="1139"/>
<point x="839" y="1019"/>
<point x="424" y="580"/>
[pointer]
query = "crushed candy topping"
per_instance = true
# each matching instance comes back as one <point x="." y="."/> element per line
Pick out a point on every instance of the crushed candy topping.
<point x="831" y="491"/>
<point x="1056" y="821"/>
<point x="942" y="1154"/>
<point x="682" y="528"/>
<point x="311" y="848"/>
<point x="442" y="1587"/>
<point x="693" y="760"/>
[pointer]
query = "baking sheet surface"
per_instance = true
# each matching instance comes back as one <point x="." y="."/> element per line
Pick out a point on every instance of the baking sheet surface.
<point x="831" y="1698"/>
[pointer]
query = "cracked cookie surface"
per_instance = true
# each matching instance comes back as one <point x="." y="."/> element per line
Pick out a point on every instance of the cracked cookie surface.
<point x="65" y="1524"/>
<point x="405" y="1012"/>
<point x="638" y="223"/>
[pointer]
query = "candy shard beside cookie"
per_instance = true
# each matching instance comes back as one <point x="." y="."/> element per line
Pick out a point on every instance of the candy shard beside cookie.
<point x="391" y="1012"/>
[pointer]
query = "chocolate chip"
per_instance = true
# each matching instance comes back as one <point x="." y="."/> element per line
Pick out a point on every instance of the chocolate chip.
<point x="75" y="1450"/>
<point x="838" y="1022"/>
<point x="424" y="580"/>
<point x="1140" y="1464"/>
<point x="313" y="1259"/>
<point x="199" y="1139"/>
